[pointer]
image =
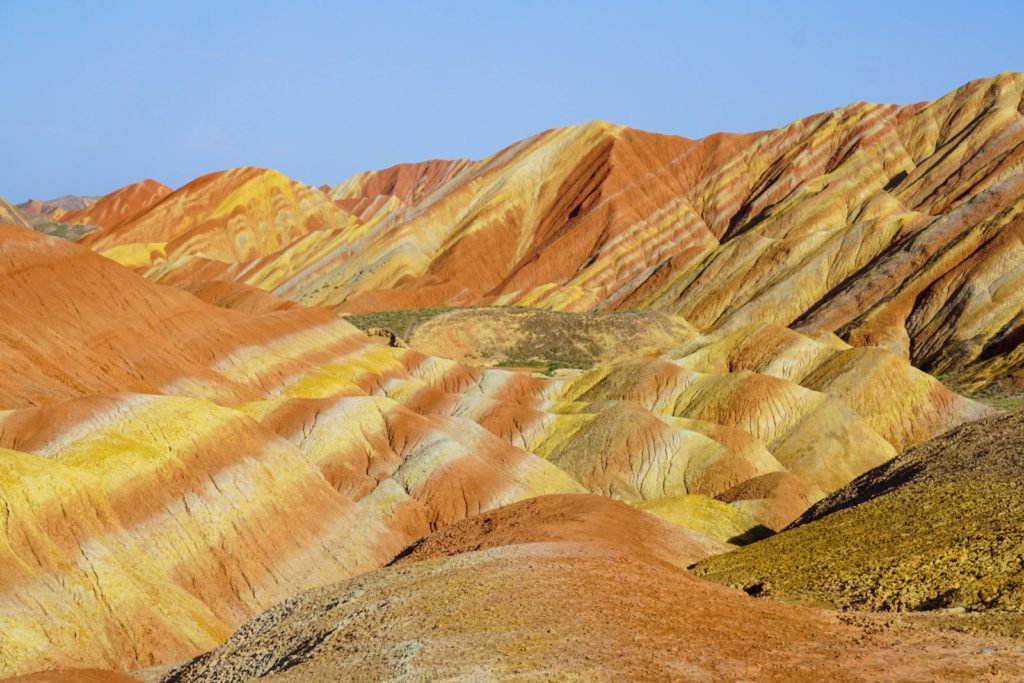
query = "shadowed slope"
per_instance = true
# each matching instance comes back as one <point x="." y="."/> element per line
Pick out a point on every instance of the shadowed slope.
<point x="940" y="526"/>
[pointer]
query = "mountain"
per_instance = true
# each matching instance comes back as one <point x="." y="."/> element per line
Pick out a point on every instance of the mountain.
<point x="891" y="226"/>
<point x="371" y="192"/>
<point x="219" y="219"/>
<point x="180" y="463"/>
<point x="12" y="215"/>
<point x="54" y="208"/>
<point x="118" y="206"/>
<point x="591" y="360"/>
<point x="940" y="526"/>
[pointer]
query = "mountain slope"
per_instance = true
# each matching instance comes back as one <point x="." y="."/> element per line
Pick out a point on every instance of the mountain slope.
<point x="940" y="526"/>
<point x="891" y="226"/>
<point x="118" y="206"/>
<point x="53" y="208"/>
<point x="543" y="601"/>
<point x="41" y="222"/>
<point x="221" y="457"/>
<point x="12" y="215"/>
<point x="225" y="217"/>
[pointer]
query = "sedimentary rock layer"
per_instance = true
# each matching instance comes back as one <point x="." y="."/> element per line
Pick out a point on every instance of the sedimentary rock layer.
<point x="892" y="226"/>
<point x="180" y="463"/>
<point x="118" y="206"/>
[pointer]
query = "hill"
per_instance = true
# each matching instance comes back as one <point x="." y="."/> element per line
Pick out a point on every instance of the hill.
<point x="891" y="226"/>
<point x="940" y="526"/>
<point x="545" y="602"/>
<point x="183" y="463"/>
<point x="118" y="206"/>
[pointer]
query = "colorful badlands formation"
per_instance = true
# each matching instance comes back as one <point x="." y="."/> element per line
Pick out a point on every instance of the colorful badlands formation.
<point x="199" y="454"/>
<point x="41" y="220"/>
<point x="892" y="226"/>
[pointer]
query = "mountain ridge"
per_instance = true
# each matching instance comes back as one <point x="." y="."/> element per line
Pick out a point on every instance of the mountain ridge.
<point x="809" y="225"/>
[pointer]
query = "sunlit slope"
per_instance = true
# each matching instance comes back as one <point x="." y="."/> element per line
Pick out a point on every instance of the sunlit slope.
<point x="11" y="215"/>
<point x="118" y="206"/>
<point x="218" y="219"/>
<point x="229" y="455"/>
<point x="892" y="226"/>
<point x="535" y="592"/>
<point x="200" y="515"/>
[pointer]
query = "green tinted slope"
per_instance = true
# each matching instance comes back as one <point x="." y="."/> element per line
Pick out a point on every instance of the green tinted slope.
<point x="940" y="526"/>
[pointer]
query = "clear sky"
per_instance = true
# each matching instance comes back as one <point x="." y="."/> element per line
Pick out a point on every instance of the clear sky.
<point x="101" y="93"/>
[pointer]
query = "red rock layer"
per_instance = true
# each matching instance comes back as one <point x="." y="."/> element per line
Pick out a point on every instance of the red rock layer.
<point x="892" y="226"/>
<point x="118" y="206"/>
<point x="178" y="466"/>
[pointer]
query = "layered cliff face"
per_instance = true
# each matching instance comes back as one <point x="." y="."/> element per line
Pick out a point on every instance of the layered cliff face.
<point x="891" y="226"/>
<point x="182" y="465"/>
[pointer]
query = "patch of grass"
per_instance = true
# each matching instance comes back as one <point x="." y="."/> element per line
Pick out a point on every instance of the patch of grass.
<point x="546" y="367"/>
<point x="1002" y="402"/>
<point x="996" y="394"/>
<point x="65" y="231"/>
<point x="545" y="340"/>
<point x="402" y="322"/>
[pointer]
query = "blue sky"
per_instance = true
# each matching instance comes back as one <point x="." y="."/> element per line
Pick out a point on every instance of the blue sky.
<point x="100" y="94"/>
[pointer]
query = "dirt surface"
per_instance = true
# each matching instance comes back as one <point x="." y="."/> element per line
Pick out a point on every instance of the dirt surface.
<point x="521" y="335"/>
<point x="73" y="676"/>
<point x="575" y="610"/>
<point x="567" y="518"/>
<point x="941" y="526"/>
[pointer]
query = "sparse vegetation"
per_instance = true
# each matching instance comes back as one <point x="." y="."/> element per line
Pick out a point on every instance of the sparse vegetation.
<point x="512" y="336"/>
<point x="996" y="394"/>
<point x="65" y="231"/>
<point x="402" y="322"/>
